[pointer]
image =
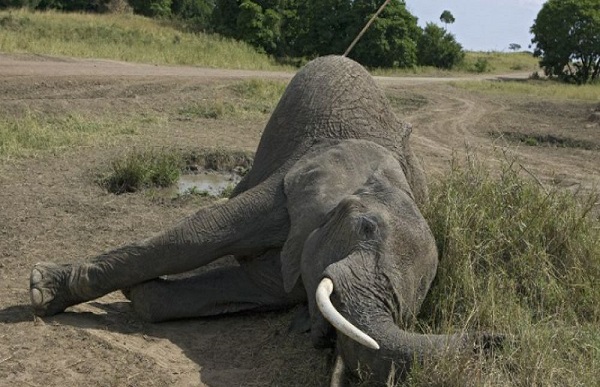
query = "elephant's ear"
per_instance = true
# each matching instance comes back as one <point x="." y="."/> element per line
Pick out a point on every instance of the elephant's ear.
<point x="315" y="185"/>
<point x="290" y="258"/>
<point x="308" y="200"/>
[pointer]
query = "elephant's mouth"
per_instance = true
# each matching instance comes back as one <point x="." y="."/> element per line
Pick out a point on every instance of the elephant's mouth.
<point x="324" y="291"/>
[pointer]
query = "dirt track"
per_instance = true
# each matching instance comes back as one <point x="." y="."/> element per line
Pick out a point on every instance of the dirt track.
<point x="51" y="209"/>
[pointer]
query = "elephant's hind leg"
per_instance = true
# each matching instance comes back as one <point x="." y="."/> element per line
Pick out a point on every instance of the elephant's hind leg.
<point x="216" y="292"/>
<point x="256" y="285"/>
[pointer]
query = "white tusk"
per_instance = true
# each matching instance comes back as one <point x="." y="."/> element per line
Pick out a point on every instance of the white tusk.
<point x="324" y="290"/>
<point x="337" y="375"/>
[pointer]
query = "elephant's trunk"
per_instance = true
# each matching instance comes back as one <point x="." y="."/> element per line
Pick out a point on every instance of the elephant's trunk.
<point x="398" y="349"/>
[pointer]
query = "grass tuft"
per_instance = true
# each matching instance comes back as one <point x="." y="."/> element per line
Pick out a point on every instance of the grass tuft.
<point x="145" y="169"/>
<point x="405" y="102"/>
<point x="142" y="170"/>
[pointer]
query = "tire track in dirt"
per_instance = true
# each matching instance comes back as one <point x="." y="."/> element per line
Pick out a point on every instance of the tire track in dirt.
<point x="451" y="125"/>
<point x="455" y="123"/>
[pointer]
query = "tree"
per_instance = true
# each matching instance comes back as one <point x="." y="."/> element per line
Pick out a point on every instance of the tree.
<point x="567" y="39"/>
<point x="195" y="14"/>
<point x="437" y="47"/>
<point x="72" y="5"/>
<point x="19" y="4"/>
<point x="155" y="8"/>
<point x="224" y="17"/>
<point x="258" y="26"/>
<point x="514" y="46"/>
<point x="447" y="18"/>
<point x="391" y="41"/>
<point x="330" y="26"/>
<point x="256" y="22"/>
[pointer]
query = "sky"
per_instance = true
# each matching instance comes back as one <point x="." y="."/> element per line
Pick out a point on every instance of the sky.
<point x="482" y="25"/>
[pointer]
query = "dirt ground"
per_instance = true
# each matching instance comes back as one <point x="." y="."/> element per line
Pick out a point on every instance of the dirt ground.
<point x="52" y="209"/>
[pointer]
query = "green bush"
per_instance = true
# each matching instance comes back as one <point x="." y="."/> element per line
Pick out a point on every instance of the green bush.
<point x="437" y="47"/>
<point x="482" y="65"/>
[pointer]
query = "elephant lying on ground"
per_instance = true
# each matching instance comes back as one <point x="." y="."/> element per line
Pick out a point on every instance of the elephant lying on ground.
<point x="328" y="215"/>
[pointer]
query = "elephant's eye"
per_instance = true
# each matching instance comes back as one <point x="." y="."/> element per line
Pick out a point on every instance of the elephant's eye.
<point x="368" y="227"/>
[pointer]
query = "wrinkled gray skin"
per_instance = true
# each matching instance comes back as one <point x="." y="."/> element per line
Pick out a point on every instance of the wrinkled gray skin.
<point x="334" y="192"/>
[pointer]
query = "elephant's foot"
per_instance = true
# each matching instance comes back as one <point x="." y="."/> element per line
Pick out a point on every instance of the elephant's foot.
<point x="145" y="302"/>
<point x="50" y="288"/>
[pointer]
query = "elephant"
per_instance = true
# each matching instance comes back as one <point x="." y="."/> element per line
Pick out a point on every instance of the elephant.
<point x="328" y="217"/>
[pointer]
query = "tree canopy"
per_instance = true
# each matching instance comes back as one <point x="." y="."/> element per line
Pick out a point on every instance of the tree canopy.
<point x="296" y="28"/>
<point x="447" y="17"/>
<point x="439" y="48"/>
<point x="567" y="39"/>
<point x="514" y="46"/>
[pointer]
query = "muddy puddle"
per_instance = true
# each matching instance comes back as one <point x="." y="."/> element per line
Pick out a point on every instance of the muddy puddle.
<point x="207" y="183"/>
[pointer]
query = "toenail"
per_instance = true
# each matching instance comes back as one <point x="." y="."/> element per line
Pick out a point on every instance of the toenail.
<point x="36" y="276"/>
<point x="36" y="297"/>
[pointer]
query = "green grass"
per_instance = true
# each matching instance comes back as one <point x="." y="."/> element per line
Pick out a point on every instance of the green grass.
<point x="33" y="132"/>
<point x="537" y="88"/>
<point x="261" y="90"/>
<point x="255" y="97"/>
<point x="140" y="170"/>
<point x="474" y="62"/>
<point x="500" y="62"/>
<point x="147" y="169"/>
<point x="209" y="108"/>
<point x="122" y="37"/>
<point x="517" y="260"/>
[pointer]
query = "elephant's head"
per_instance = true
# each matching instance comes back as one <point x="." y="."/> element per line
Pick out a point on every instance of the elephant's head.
<point x="368" y="256"/>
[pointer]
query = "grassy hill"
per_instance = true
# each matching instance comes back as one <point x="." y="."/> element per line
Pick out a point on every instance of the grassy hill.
<point x="123" y="37"/>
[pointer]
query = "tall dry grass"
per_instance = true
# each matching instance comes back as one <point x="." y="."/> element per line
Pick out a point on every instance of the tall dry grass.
<point x="518" y="260"/>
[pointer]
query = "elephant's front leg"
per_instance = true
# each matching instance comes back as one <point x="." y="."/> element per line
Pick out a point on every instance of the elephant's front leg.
<point x="248" y="224"/>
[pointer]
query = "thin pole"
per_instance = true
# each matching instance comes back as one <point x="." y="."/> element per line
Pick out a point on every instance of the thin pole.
<point x="366" y="27"/>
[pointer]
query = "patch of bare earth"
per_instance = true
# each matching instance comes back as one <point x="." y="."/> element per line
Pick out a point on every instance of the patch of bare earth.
<point x="52" y="209"/>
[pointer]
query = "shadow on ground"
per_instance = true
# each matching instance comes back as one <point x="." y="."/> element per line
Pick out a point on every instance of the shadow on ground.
<point x="240" y="349"/>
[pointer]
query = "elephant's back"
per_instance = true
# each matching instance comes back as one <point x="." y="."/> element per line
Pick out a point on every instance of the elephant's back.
<point x="330" y="98"/>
